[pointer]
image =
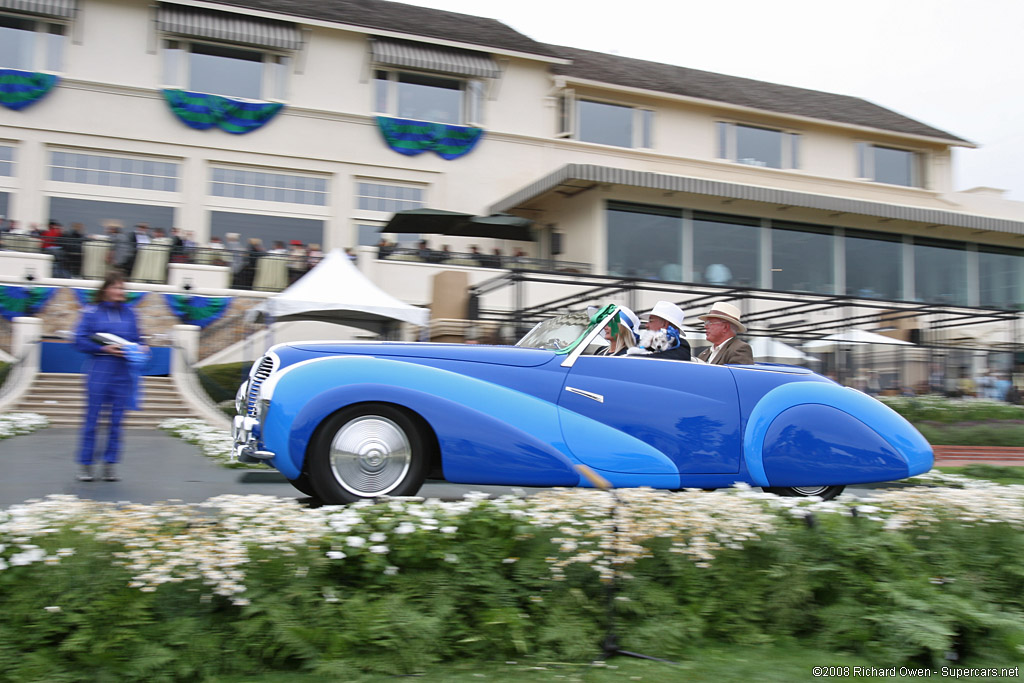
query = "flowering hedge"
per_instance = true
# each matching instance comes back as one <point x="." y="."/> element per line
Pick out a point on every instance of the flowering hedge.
<point x="245" y="584"/>
<point x="13" y="424"/>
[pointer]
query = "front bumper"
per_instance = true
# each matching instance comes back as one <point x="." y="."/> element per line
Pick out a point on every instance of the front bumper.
<point x="245" y="433"/>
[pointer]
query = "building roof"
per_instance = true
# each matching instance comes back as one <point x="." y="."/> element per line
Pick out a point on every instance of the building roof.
<point x="402" y="18"/>
<point x="565" y="177"/>
<point x="422" y="22"/>
<point x="733" y="90"/>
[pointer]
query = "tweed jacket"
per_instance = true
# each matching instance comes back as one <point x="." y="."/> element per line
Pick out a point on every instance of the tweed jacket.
<point x="734" y="351"/>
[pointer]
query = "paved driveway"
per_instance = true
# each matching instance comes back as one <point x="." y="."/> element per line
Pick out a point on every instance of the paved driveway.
<point x="159" y="467"/>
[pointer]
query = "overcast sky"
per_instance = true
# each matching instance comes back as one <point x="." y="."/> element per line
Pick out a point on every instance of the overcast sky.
<point x="957" y="65"/>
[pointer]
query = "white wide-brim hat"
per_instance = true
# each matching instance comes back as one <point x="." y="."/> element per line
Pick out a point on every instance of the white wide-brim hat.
<point x="630" y="319"/>
<point x="727" y="312"/>
<point x="666" y="310"/>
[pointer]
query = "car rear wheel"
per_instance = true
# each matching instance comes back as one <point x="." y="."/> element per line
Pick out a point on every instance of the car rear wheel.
<point x="366" y="451"/>
<point x="825" y="492"/>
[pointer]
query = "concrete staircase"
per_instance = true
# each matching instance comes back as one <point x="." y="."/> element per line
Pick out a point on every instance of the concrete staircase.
<point x="61" y="398"/>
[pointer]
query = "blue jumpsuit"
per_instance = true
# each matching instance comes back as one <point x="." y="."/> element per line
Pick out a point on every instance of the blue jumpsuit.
<point x="110" y="381"/>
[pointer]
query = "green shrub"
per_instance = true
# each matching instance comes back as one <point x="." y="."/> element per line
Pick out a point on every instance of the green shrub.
<point x="994" y="433"/>
<point x="933" y="408"/>
<point x="221" y="382"/>
<point x="246" y="585"/>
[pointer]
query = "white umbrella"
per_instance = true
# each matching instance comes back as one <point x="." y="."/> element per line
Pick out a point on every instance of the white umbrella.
<point x="854" y="336"/>
<point x="765" y="347"/>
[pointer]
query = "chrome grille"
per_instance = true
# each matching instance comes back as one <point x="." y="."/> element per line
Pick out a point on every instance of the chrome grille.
<point x="266" y="366"/>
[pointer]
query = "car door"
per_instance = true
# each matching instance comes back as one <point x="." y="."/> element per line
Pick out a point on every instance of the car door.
<point x="688" y="411"/>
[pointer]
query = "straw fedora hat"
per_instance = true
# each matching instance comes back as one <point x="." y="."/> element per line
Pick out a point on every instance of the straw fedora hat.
<point x="727" y="312"/>
<point x="666" y="310"/>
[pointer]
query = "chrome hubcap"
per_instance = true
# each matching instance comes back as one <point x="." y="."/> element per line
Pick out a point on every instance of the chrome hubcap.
<point x="810" y="490"/>
<point x="370" y="456"/>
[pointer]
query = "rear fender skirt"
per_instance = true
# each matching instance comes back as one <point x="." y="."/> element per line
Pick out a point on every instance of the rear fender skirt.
<point x="809" y="433"/>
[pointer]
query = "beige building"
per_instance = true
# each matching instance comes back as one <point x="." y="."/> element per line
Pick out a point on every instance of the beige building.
<point x="317" y="120"/>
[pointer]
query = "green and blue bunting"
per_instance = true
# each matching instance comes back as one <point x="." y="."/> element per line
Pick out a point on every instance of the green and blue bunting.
<point x="202" y="111"/>
<point x="198" y="310"/>
<point x="17" y="301"/>
<point x="87" y="296"/>
<point x="410" y="137"/>
<point x="19" y="89"/>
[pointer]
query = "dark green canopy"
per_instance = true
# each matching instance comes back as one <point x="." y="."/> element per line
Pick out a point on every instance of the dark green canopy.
<point x="500" y="226"/>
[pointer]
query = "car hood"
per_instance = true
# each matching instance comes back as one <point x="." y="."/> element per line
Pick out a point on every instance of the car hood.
<point x="476" y="353"/>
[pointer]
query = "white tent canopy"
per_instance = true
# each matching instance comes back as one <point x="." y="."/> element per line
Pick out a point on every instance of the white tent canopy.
<point x="853" y="336"/>
<point x="336" y="292"/>
<point x="764" y="347"/>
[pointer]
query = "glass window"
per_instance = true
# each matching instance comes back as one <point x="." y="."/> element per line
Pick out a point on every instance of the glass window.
<point x="614" y="124"/>
<point x="94" y="214"/>
<point x="874" y="265"/>
<point x="756" y="146"/>
<point x="645" y="241"/>
<point x="262" y="186"/>
<point x="427" y="98"/>
<point x="368" y="235"/>
<point x="726" y="250"/>
<point x="608" y="124"/>
<point x="940" y="271"/>
<point x="387" y="197"/>
<point x="1001" y="277"/>
<point x="97" y="169"/>
<point x="888" y="165"/>
<point x="225" y="71"/>
<point x="6" y="160"/>
<point x="17" y="43"/>
<point x="4" y="203"/>
<point x="269" y="229"/>
<point x="802" y="258"/>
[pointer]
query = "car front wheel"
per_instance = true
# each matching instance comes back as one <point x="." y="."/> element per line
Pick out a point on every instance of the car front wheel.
<point x="824" y="492"/>
<point x="365" y="451"/>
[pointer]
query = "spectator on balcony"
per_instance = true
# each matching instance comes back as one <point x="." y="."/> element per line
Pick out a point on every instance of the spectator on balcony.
<point x="352" y="256"/>
<point x="177" y="246"/>
<point x="124" y="247"/>
<point x="214" y="253"/>
<point x="384" y="248"/>
<point x="474" y="254"/>
<point x="314" y="255"/>
<point x="190" y="244"/>
<point x="73" y="249"/>
<point x="238" y="258"/>
<point x="278" y="249"/>
<point x="52" y="235"/>
<point x="494" y="260"/>
<point x="297" y="260"/>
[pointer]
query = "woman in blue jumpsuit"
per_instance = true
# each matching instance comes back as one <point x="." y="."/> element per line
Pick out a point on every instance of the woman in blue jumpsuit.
<point x="111" y="382"/>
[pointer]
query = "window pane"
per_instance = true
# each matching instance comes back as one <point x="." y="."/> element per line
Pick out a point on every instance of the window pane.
<point x="758" y="146"/>
<point x="802" y="261"/>
<point x="380" y="100"/>
<point x="270" y="229"/>
<point x="96" y="169"/>
<point x="646" y="128"/>
<point x="17" y="41"/>
<point x="425" y="98"/>
<point x="225" y="71"/>
<point x="93" y="214"/>
<point x="645" y="242"/>
<point x="1001" y="275"/>
<point x="940" y="272"/>
<point x="6" y="161"/>
<point x="368" y="235"/>
<point x="894" y="166"/>
<point x="874" y="266"/>
<point x="726" y="250"/>
<point x="607" y="124"/>
<point x="723" y="139"/>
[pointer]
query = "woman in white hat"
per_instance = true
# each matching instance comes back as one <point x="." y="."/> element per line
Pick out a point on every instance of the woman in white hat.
<point x="721" y="325"/>
<point x="623" y="335"/>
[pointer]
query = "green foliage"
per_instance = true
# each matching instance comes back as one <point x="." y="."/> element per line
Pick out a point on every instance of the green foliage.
<point x="951" y="410"/>
<point x="996" y="473"/>
<point x="483" y="590"/>
<point x="221" y="382"/>
<point x="5" y="369"/>
<point x="995" y="433"/>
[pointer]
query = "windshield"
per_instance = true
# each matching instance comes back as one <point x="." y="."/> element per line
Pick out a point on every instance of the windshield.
<point x="562" y="333"/>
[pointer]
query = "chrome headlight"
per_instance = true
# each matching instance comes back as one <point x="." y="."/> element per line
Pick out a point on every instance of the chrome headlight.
<point x="240" y="397"/>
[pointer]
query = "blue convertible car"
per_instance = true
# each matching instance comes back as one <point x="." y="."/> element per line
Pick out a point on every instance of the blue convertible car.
<point x="350" y="420"/>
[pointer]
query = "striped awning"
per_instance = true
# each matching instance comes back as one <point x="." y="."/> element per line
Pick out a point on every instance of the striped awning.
<point x="65" y="9"/>
<point x="606" y="175"/>
<point x="426" y="57"/>
<point x="227" y="27"/>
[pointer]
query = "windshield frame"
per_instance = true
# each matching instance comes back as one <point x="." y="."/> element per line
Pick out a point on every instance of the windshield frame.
<point x="598" y="321"/>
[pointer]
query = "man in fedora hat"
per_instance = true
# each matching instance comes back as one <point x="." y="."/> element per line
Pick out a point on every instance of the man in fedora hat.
<point x="664" y="336"/>
<point x="721" y="325"/>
